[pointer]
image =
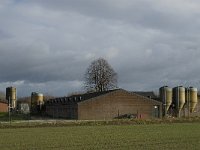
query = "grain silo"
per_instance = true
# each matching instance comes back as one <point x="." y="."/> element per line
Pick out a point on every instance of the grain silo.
<point x="192" y="98"/>
<point x="179" y="98"/>
<point x="166" y="97"/>
<point x="11" y="96"/>
<point x="37" y="100"/>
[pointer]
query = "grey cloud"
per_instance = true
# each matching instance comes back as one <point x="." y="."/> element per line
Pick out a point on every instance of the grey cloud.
<point x="164" y="15"/>
<point x="47" y="45"/>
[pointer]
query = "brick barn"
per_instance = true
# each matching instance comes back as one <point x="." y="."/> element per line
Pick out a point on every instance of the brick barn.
<point x="3" y="106"/>
<point x="104" y="106"/>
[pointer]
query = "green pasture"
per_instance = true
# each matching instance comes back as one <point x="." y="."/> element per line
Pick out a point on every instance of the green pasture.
<point x="152" y="136"/>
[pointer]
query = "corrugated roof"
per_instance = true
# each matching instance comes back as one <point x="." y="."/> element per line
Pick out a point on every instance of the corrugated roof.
<point x="87" y="96"/>
<point x="149" y="94"/>
<point x="79" y="97"/>
<point x="131" y="93"/>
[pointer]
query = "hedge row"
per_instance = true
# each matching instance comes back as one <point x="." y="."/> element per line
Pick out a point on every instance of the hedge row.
<point x="63" y="123"/>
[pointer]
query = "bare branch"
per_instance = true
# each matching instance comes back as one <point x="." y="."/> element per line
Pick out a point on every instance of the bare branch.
<point x="100" y="76"/>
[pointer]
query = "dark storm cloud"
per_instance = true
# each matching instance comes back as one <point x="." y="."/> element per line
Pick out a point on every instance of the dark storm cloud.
<point x="148" y="13"/>
<point x="46" y="45"/>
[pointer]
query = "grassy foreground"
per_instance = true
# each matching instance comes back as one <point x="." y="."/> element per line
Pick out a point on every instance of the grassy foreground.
<point x="152" y="136"/>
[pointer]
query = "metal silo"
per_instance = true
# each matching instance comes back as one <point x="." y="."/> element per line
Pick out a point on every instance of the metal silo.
<point x="11" y="96"/>
<point x="179" y="98"/>
<point x="192" y="98"/>
<point x="37" y="100"/>
<point x="166" y="97"/>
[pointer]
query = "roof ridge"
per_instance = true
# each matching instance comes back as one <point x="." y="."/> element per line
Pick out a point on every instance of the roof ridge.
<point x="85" y="96"/>
<point x="146" y="97"/>
<point x="111" y="91"/>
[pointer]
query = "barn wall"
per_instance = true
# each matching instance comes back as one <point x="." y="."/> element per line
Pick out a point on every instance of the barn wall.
<point x="117" y="104"/>
<point x="3" y="107"/>
<point x="68" y="111"/>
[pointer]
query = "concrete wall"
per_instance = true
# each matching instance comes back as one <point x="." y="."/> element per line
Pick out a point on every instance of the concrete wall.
<point x="3" y="107"/>
<point x="118" y="103"/>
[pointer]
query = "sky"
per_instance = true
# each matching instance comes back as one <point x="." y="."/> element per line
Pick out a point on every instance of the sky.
<point x="47" y="45"/>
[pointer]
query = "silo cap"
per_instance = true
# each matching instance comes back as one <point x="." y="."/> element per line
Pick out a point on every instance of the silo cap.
<point x="193" y="89"/>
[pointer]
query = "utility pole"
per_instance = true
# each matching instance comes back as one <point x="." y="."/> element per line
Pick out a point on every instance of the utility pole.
<point x="165" y="100"/>
<point x="9" y="108"/>
<point x="188" y="103"/>
<point x="178" y="101"/>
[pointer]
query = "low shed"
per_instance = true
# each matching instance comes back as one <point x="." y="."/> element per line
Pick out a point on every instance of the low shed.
<point x="104" y="106"/>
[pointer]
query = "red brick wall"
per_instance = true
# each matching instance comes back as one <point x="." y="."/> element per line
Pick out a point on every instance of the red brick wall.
<point x="116" y="104"/>
<point x="3" y="107"/>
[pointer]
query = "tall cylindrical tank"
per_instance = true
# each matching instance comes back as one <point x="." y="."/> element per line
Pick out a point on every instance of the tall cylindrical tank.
<point x="179" y="97"/>
<point x="166" y="96"/>
<point x="192" y="98"/>
<point x="11" y="96"/>
<point x="37" y="98"/>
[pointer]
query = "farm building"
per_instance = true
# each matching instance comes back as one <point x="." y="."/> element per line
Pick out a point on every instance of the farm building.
<point x="104" y="106"/>
<point x="3" y="106"/>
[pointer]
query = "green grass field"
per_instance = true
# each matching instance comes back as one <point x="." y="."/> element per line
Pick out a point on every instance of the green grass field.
<point x="154" y="136"/>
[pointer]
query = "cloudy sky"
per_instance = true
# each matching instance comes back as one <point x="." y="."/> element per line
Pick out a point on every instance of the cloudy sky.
<point x="46" y="45"/>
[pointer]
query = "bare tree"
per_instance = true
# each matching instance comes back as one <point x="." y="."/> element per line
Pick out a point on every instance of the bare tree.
<point x="100" y="76"/>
